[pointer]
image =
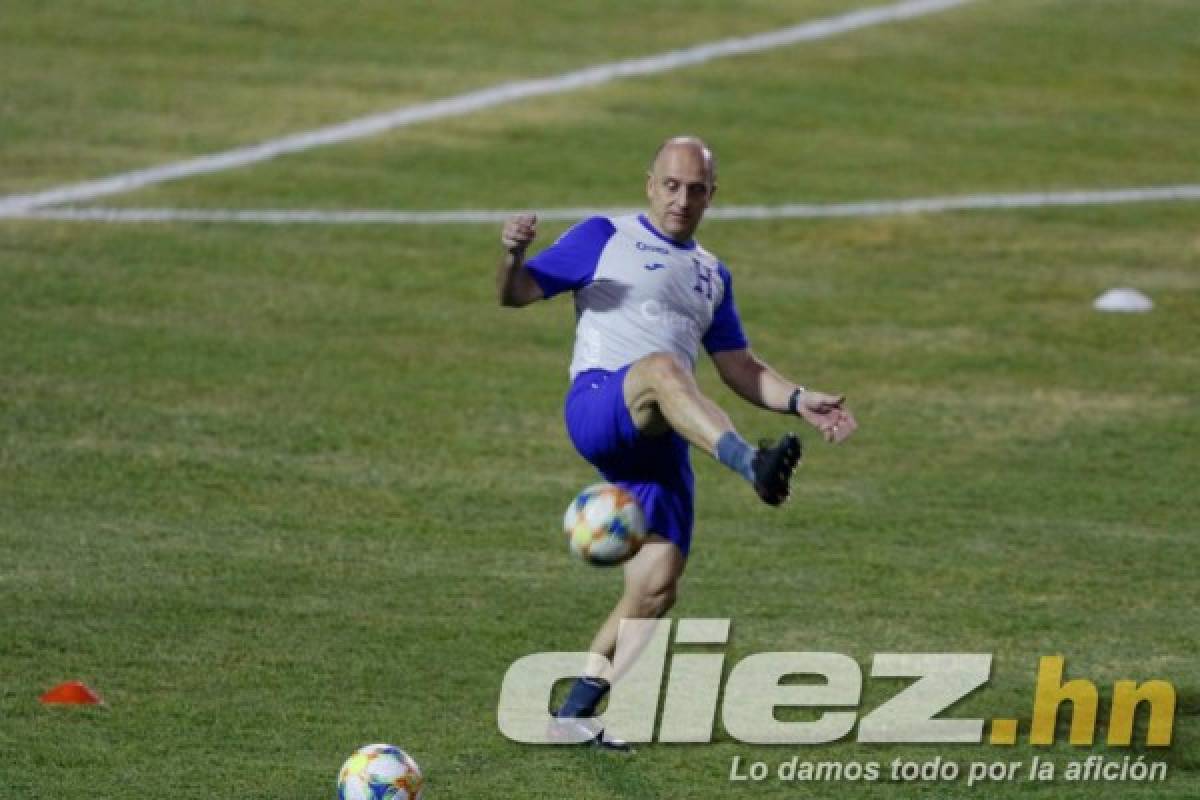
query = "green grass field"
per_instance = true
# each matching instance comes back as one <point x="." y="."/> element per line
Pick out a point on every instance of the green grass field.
<point x="281" y="491"/>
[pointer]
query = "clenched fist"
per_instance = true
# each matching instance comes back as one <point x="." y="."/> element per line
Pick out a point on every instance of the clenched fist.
<point x="519" y="232"/>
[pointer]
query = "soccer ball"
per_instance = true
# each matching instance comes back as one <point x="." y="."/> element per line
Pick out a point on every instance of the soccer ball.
<point x="604" y="525"/>
<point x="380" y="772"/>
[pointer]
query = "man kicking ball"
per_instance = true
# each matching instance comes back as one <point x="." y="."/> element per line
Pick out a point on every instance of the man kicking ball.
<point x="647" y="297"/>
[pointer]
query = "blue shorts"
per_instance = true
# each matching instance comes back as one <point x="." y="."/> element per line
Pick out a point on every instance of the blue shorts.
<point x="655" y="469"/>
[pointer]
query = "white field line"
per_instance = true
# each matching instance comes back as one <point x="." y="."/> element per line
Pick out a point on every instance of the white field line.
<point x="473" y="101"/>
<point x="873" y="208"/>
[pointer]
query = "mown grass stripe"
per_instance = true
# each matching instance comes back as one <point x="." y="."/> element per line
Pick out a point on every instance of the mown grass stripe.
<point x="469" y="102"/>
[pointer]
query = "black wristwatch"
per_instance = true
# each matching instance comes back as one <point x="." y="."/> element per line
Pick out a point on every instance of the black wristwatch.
<point x="794" y="400"/>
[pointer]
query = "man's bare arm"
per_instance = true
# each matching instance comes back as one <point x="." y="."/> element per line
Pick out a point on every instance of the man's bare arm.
<point x="753" y="380"/>
<point x="756" y="382"/>
<point x="514" y="285"/>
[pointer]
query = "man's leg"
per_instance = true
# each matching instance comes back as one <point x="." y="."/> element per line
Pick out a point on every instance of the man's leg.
<point x="651" y="582"/>
<point x="661" y="393"/>
<point x="651" y="579"/>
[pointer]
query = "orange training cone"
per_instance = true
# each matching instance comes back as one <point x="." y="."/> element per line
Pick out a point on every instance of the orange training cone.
<point x="72" y="693"/>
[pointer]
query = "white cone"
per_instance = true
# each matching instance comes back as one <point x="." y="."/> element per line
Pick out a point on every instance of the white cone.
<point x="1124" y="300"/>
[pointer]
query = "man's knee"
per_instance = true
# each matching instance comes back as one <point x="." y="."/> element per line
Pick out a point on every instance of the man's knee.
<point x="655" y="602"/>
<point x="652" y="578"/>
<point x="664" y="369"/>
<point x="652" y="378"/>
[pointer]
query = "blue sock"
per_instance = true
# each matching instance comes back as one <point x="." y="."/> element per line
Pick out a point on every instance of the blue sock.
<point x="586" y="693"/>
<point x="736" y="453"/>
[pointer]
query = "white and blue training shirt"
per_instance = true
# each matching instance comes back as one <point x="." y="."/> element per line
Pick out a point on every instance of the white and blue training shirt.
<point x="637" y="292"/>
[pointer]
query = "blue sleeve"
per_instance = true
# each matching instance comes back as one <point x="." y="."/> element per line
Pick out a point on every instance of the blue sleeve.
<point x="571" y="262"/>
<point x="725" y="332"/>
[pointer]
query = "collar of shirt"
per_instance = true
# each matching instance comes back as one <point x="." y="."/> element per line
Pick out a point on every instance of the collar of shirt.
<point x="690" y="244"/>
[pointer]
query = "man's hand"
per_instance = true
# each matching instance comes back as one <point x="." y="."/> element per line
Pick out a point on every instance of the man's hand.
<point x="515" y="286"/>
<point x="825" y="413"/>
<point x="519" y="232"/>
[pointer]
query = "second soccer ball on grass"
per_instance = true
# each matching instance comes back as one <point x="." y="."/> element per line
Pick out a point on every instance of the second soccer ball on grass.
<point x="380" y="772"/>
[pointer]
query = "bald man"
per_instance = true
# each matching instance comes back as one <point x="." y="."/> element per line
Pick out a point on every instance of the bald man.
<point x="648" y="297"/>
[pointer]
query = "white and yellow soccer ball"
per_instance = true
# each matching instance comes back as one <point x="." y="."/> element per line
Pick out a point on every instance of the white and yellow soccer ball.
<point x="604" y="525"/>
<point x="380" y="772"/>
